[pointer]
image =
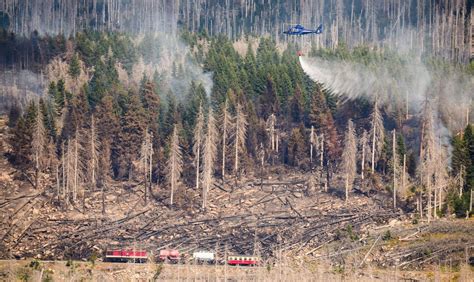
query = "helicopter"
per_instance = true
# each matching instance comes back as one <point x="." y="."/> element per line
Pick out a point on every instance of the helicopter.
<point x="300" y="30"/>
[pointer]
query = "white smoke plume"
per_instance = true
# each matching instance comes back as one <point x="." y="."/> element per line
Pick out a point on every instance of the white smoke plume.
<point x="410" y="83"/>
<point x="174" y="56"/>
<point x="19" y="87"/>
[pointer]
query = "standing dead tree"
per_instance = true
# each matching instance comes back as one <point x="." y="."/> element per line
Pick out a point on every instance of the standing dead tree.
<point x="146" y="160"/>
<point x="240" y="135"/>
<point x="73" y="166"/>
<point x="226" y="125"/>
<point x="364" y="152"/>
<point x="271" y="122"/>
<point x="209" y="156"/>
<point x="427" y="157"/>
<point x="38" y="145"/>
<point x="77" y="165"/>
<point x="313" y="143"/>
<point x="65" y="170"/>
<point x="273" y="137"/>
<point x="321" y="160"/>
<point x="441" y="176"/>
<point x="198" y="140"/>
<point x="175" y="162"/>
<point x="105" y="165"/>
<point x="377" y="134"/>
<point x="395" y="168"/>
<point x="94" y="152"/>
<point x="349" y="163"/>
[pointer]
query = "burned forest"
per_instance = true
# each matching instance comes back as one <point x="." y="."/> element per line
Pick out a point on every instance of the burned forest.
<point x="197" y="133"/>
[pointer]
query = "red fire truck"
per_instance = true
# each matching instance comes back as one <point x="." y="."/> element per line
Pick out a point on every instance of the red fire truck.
<point x="243" y="260"/>
<point x="126" y="255"/>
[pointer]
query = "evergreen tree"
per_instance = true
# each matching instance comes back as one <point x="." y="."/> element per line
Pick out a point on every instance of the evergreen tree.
<point x="63" y="96"/>
<point x="268" y="100"/>
<point x="296" y="106"/>
<point x="14" y="114"/>
<point x="296" y="147"/>
<point x="76" y="114"/>
<point x="171" y="117"/>
<point x="195" y="98"/>
<point x="56" y="97"/>
<point x="48" y="116"/>
<point x="250" y="70"/>
<point x="21" y="138"/>
<point x="104" y="79"/>
<point x="74" y="67"/>
<point x="129" y="138"/>
<point x="151" y="104"/>
<point x="460" y="158"/>
<point x="469" y="143"/>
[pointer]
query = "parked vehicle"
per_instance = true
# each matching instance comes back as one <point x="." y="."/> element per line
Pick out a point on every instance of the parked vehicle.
<point x="126" y="255"/>
<point x="243" y="260"/>
<point x="169" y="255"/>
<point x="204" y="257"/>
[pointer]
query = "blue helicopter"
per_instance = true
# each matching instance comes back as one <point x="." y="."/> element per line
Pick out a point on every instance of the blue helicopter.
<point x="300" y="30"/>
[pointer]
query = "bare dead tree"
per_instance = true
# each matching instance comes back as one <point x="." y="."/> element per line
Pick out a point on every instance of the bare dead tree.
<point x="75" y="166"/>
<point x="38" y="145"/>
<point x="226" y="118"/>
<point x="68" y="171"/>
<point x="427" y="157"/>
<point x="441" y="175"/>
<point x="349" y="163"/>
<point x="460" y="177"/>
<point x="313" y="143"/>
<point x="404" y="176"/>
<point x="395" y="168"/>
<point x="321" y="161"/>
<point x="271" y="122"/>
<point x="364" y="152"/>
<point x="146" y="159"/>
<point x="175" y="162"/>
<point x="198" y="140"/>
<point x="63" y="170"/>
<point x="377" y="134"/>
<point x="209" y="156"/>
<point x="105" y="165"/>
<point x="75" y="160"/>
<point x="94" y="153"/>
<point x="239" y="136"/>
<point x="261" y="155"/>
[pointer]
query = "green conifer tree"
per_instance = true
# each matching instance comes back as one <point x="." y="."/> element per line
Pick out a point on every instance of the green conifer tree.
<point x="74" y="67"/>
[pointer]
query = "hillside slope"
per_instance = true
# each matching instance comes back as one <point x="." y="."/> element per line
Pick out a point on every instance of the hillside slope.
<point x="279" y="216"/>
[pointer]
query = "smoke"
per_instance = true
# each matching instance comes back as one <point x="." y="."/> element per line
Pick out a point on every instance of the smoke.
<point x="176" y="52"/>
<point x="176" y="64"/>
<point x="19" y="88"/>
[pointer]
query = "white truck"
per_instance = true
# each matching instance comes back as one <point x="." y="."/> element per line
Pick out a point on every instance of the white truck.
<point x="204" y="257"/>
